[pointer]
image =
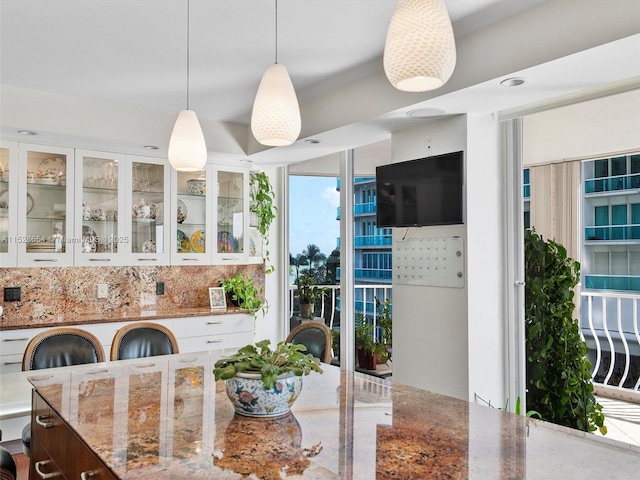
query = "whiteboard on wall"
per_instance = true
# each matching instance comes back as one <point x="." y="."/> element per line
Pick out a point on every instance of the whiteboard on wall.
<point x="433" y="262"/>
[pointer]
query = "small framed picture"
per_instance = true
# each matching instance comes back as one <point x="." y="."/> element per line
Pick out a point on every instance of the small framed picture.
<point x="217" y="298"/>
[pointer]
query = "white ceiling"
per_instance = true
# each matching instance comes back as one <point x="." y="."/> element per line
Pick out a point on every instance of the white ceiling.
<point x="132" y="53"/>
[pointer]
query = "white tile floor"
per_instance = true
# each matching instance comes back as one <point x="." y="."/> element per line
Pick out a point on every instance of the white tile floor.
<point x="622" y="420"/>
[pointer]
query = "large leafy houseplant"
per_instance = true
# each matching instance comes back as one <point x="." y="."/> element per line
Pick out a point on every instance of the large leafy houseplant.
<point x="262" y="207"/>
<point x="243" y="291"/>
<point x="260" y="358"/>
<point x="559" y="385"/>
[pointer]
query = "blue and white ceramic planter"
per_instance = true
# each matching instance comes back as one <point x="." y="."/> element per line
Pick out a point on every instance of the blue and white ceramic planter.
<point x="250" y="398"/>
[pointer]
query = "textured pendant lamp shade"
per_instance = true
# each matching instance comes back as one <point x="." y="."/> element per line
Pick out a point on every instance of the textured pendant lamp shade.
<point x="187" y="148"/>
<point x="420" y="51"/>
<point x="275" y="120"/>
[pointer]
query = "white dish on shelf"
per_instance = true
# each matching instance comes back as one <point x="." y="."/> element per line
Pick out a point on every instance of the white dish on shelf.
<point x="4" y="201"/>
<point x="53" y="165"/>
<point x="182" y="211"/>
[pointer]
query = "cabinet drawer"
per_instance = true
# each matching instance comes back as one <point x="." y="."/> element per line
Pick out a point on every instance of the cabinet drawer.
<point x="41" y="465"/>
<point x="215" y="342"/>
<point x="214" y="325"/>
<point x="11" y="363"/>
<point x="15" y="341"/>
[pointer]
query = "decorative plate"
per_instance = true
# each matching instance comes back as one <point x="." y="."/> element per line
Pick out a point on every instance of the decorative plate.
<point x="4" y="201"/>
<point x="227" y="243"/>
<point x="149" y="247"/>
<point x="53" y="165"/>
<point x="184" y="245"/>
<point x="197" y="241"/>
<point x="182" y="211"/>
<point x="89" y="240"/>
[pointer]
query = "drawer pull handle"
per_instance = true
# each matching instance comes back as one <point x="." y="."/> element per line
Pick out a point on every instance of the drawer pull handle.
<point x="12" y="363"/>
<point x="146" y="365"/>
<point x="95" y="372"/>
<point x="215" y="341"/>
<point x="147" y="259"/>
<point x="37" y="466"/>
<point x="219" y="322"/>
<point x="16" y="339"/>
<point x="43" y="421"/>
<point x="190" y="259"/>
<point x="99" y="259"/>
<point x="88" y="474"/>
<point x="45" y="259"/>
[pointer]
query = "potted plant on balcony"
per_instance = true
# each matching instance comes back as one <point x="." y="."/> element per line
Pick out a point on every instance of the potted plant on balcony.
<point x="559" y="385"/>
<point x="369" y="351"/>
<point x="262" y="382"/>
<point x="308" y="293"/>
<point x="243" y="292"/>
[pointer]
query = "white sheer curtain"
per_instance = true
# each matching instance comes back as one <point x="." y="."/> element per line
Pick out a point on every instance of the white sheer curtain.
<point x="555" y="204"/>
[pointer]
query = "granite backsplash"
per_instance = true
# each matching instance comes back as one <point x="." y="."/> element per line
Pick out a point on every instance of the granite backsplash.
<point x="50" y="293"/>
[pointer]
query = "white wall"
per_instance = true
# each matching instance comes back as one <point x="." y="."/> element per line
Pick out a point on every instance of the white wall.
<point x="450" y="340"/>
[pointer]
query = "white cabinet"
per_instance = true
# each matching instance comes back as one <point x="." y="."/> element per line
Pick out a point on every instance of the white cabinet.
<point x="45" y="206"/>
<point x="99" y="214"/>
<point x="192" y="205"/>
<point x="194" y="334"/>
<point x="150" y="225"/>
<point x="8" y="204"/>
<point x="231" y="215"/>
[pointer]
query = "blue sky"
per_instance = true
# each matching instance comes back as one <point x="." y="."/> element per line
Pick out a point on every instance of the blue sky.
<point x="312" y="213"/>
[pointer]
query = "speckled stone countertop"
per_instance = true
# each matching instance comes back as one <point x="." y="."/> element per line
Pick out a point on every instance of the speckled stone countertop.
<point x="129" y="316"/>
<point x="166" y="418"/>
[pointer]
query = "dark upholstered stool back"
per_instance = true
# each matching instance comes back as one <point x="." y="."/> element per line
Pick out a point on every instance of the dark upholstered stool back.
<point x="61" y="347"/>
<point x="143" y="339"/>
<point x="7" y="465"/>
<point x="316" y="337"/>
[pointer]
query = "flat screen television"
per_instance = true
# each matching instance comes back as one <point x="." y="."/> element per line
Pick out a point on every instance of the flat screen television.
<point x="421" y="192"/>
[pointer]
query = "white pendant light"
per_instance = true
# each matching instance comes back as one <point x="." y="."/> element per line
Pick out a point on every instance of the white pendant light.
<point x="187" y="148"/>
<point x="420" y="51"/>
<point x="275" y="119"/>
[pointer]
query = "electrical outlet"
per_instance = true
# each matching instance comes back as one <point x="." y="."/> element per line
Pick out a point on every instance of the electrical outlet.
<point x="12" y="294"/>
<point x="159" y="288"/>
<point x="103" y="290"/>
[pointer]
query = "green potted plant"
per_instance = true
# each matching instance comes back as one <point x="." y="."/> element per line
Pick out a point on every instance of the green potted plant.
<point x="308" y="293"/>
<point x="262" y="208"/>
<point x="559" y="385"/>
<point x="262" y="382"/>
<point x="244" y="293"/>
<point x="369" y="352"/>
<point x="385" y="325"/>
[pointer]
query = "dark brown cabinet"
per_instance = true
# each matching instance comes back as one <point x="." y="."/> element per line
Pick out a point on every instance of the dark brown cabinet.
<point x="56" y="450"/>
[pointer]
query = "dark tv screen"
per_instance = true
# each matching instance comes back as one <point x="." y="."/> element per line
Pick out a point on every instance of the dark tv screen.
<point x="421" y="192"/>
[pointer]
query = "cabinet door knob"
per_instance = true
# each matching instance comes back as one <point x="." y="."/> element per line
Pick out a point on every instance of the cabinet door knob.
<point x="37" y="466"/>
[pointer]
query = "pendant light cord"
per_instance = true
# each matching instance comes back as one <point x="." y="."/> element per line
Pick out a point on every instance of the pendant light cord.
<point x="276" y="31"/>
<point x="188" y="50"/>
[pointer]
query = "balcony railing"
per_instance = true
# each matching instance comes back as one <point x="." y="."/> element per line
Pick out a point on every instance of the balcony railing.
<point x="630" y="231"/>
<point x="612" y="184"/>
<point x="609" y="325"/>
<point x="612" y="282"/>
<point x="328" y="306"/>
<point x="372" y="241"/>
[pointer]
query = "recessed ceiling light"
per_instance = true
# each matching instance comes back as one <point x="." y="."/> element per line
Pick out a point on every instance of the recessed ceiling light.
<point x="426" y="112"/>
<point x="26" y="132"/>
<point x="150" y="147"/>
<point x="512" y="82"/>
<point x="313" y="141"/>
<point x="246" y="160"/>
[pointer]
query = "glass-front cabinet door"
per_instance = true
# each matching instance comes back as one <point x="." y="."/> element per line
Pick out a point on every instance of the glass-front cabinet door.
<point x="45" y="215"/>
<point x="232" y="220"/>
<point x="8" y="204"/>
<point x="150" y="219"/>
<point x="191" y="239"/>
<point x="99" y="205"/>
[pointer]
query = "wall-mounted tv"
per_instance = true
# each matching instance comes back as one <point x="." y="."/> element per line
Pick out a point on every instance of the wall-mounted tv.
<point x="421" y="192"/>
